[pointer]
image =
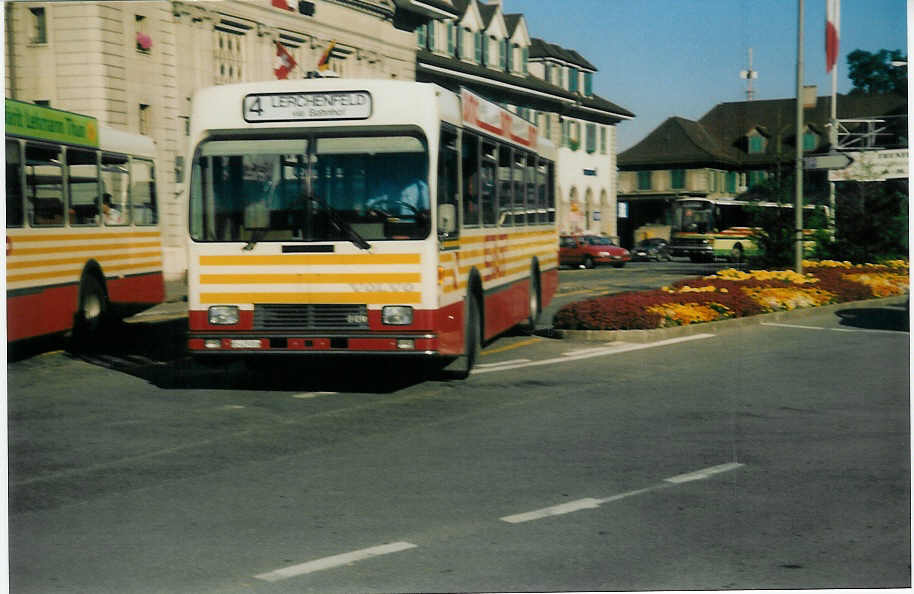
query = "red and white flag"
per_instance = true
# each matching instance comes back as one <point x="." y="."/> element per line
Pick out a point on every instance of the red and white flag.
<point x="286" y="63"/>
<point x="286" y="4"/>
<point x="832" y="31"/>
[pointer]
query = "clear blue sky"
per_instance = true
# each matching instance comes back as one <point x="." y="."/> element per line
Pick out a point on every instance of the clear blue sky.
<point x="662" y="58"/>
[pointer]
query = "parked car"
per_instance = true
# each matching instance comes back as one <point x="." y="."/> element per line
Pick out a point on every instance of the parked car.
<point x="590" y="250"/>
<point x="653" y="248"/>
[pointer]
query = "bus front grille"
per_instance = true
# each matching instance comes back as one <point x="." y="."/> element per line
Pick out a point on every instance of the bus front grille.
<point x="310" y="316"/>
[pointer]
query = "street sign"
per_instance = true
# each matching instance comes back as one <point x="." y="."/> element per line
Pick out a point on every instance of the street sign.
<point x="829" y="161"/>
<point x="873" y="166"/>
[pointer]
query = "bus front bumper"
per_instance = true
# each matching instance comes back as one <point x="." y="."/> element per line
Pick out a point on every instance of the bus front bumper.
<point x="352" y="344"/>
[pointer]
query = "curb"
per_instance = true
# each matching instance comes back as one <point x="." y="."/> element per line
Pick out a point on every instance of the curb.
<point x="676" y="331"/>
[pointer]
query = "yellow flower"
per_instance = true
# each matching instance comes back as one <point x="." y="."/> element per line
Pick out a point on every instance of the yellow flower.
<point x="682" y="314"/>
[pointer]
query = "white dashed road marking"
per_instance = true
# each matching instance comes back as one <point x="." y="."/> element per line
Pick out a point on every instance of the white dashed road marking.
<point x="334" y="561"/>
<point x="801" y="327"/>
<point x="589" y="353"/>
<point x="591" y="503"/>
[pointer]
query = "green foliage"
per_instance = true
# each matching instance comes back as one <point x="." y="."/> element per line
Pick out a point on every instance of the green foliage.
<point x="871" y="222"/>
<point x="873" y="73"/>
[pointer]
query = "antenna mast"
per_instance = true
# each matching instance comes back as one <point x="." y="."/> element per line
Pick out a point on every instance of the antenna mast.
<point x="749" y="74"/>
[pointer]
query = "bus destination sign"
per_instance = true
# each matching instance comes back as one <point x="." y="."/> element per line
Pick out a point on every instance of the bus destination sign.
<point x="299" y="107"/>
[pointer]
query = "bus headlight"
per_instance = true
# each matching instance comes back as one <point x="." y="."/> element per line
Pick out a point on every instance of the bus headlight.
<point x="223" y="315"/>
<point x="397" y="315"/>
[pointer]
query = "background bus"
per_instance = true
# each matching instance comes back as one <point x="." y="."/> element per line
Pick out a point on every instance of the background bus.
<point x="707" y="229"/>
<point x="369" y="217"/>
<point x="82" y="237"/>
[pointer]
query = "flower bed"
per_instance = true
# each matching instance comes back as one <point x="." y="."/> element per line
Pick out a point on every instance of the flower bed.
<point x="733" y="293"/>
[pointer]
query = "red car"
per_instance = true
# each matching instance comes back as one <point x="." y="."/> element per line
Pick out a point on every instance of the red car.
<point x="590" y="250"/>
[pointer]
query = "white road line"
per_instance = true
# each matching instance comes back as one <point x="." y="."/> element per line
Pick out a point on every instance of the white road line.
<point x="703" y="473"/>
<point x="592" y="503"/>
<point x="865" y="330"/>
<point x="334" y="561"/>
<point x="555" y="510"/>
<point x="306" y="395"/>
<point x="589" y="353"/>
<point x="607" y="347"/>
<point x="500" y="363"/>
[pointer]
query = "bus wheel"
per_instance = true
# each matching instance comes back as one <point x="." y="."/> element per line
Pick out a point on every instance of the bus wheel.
<point x="535" y="302"/>
<point x="91" y="312"/>
<point x="471" y="336"/>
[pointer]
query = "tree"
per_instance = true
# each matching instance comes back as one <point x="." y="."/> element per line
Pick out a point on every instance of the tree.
<point x="874" y="74"/>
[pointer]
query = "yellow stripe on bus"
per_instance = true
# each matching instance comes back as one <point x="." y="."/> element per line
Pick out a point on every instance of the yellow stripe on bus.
<point x="103" y="258"/>
<point x="75" y="272"/>
<point x="313" y="259"/>
<point x="76" y="236"/>
<point x="310" y="297"/>
<point x="316" y="278"/>
<point x="96" y="247"/>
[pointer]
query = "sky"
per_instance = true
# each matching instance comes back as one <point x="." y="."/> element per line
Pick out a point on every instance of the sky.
<point x="664" y="58"/>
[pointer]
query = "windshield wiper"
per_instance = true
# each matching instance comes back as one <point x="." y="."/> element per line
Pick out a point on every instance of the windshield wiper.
<point x="257" y="234"/>
<point x="342" y="224"/>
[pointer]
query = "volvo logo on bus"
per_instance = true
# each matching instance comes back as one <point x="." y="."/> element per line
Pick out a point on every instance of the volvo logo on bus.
<point x="299" y="107"/>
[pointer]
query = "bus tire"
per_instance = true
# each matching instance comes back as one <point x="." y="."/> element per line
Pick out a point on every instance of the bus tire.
<point x="536" y="301"/>
<point x="472" y="339"/>
<point x="92" y="312"/>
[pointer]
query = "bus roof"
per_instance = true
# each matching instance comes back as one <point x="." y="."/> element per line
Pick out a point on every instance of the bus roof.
<point x="332" y="102"/>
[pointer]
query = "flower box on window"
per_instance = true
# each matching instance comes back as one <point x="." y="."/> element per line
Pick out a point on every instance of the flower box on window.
<point x="143" y="42"/>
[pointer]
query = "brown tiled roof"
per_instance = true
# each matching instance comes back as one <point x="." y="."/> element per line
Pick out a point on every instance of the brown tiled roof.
<point x="677" y="141"/>
<point x="720" y="136"/>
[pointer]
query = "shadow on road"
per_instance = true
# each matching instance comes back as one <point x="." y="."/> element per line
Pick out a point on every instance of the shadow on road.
<point x="155" y="352"/>
<point x="876" y="318"/>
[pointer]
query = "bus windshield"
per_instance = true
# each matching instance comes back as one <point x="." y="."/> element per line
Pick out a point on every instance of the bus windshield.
<point x="694" y="217"/>
<point x="351" y="188"/>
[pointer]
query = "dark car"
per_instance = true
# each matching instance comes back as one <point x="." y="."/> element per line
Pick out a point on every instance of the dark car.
<point x="653" y="248"/>
<point x="590" y="250"/>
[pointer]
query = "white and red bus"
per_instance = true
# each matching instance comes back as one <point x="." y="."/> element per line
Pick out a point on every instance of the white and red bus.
<point x="364" y="217"/>
<point x="82" y="236"/>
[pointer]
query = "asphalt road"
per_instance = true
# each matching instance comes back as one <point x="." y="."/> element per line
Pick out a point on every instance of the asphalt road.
<point x="759" y="456"/>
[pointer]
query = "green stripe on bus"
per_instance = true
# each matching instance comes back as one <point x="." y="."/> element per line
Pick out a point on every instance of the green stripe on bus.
<point x="45" y="123"/>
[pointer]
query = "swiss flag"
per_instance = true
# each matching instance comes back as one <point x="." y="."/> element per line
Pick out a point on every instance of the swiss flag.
<point x="832" y="30"/>
<point x="286" y="62"/>
<point x="284" y="4"/>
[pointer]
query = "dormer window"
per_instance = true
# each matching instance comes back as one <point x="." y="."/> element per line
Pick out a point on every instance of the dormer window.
<point x="573" y="79"/>
<point x="504" y="47"/>
<point x="431" y="35"/>
<point x="451" y="38"/>
<point x="422" y="36"/>
<point x="810" y="140"/>
<point x="478" y="39"/>
<point x="756" y="143"/>
<point x="588" y="83"/>
<point x="525" y="55"/>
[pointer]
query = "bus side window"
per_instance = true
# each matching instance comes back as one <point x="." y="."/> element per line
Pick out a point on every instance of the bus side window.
<point x="143" y="192"/>
<point x="471" y="206"/>
<point x="14" y="212"/>
<point x="541" y="206"/>
<point x="505" y="187"/>
<point x="550" y="192"/>
<point x="447" y="181"/>
<point x="115" y="182"/>
<point x="82" y="186"/>
<point x="519" y="208"/>
<point x="487" y="184"/>
<point x="530" y="179"/>
<point x="44" y="184"/>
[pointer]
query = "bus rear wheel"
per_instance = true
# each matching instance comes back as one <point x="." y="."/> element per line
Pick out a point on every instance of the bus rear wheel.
<point x="91" y="313"/>
<point x="472" y="338"/>
<point x="536" y="301"/>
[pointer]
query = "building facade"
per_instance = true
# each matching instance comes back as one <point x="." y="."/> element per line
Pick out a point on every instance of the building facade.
<point x="136" y="65"/>
<point x="493" y="54"/>
<point x="736" y="147"/>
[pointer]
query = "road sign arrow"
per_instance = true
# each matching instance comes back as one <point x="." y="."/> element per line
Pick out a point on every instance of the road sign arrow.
<point x="829" y="161"/>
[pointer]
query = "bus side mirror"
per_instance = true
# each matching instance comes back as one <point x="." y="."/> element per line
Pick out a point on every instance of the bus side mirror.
<point x="447" y="218"/>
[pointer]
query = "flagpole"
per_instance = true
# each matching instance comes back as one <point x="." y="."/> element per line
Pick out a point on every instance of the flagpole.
<point x="833" y="120"/>
<point x="798" y="165"/>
